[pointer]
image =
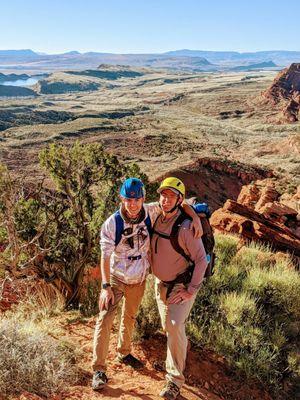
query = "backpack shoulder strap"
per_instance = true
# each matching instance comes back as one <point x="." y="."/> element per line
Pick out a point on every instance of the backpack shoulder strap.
<point x="148" y="225"/>
<point x="175" y="233"/>
<point x="119" y="227"/>
<point x="159" y="233"/>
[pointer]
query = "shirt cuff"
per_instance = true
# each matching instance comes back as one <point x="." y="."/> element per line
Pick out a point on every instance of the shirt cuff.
<point x="193" y="289"/>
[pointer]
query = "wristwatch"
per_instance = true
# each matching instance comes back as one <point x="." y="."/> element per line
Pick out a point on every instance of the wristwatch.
<point x="105" y="285"/>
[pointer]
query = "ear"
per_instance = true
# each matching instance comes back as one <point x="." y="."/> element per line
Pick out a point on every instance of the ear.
<point x="180" y="200"/>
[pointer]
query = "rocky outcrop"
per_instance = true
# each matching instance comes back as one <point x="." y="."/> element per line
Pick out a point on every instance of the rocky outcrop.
<point x="257" y="194"/>
<point x="285" y="92"/>
<point x="259" y="214"/>
<point x="292" y="200"/>
<point x="215" y="180"/>
<point x="253" y="226"/>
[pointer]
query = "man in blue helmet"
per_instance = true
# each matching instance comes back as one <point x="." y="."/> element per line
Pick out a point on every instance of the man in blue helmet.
<point x="125" y="244"/>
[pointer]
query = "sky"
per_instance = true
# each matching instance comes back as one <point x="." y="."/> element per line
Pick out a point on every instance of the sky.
<point x="153" y="26"/>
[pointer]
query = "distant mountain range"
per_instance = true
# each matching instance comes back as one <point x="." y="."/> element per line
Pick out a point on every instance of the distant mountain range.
<point x="190" y="60"/>
<point x="280" y="57"/>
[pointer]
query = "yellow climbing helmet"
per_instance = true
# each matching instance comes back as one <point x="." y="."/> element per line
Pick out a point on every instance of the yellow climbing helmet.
<point x="174" y="184"/>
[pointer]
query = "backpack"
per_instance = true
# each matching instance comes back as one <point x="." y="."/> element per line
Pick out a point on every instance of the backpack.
<point x="120" y="226"/>
<point x="203" y="212"/>
<point x="208" y="240"/>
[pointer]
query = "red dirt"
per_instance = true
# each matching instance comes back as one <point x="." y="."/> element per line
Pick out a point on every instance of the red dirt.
<point x="208" y="377"/>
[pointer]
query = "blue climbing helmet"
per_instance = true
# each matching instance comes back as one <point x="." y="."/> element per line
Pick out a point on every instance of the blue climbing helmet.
<point x="132" y="188"/>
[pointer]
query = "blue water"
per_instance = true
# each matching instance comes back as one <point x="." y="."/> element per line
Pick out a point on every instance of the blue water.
<point x="21" y="82"/>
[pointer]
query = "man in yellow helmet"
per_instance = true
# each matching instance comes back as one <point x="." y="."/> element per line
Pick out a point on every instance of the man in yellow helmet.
<point x="179" y="264"/>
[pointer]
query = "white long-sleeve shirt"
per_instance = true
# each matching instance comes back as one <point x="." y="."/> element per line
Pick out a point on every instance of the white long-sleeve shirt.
<point x="122" y="266"/>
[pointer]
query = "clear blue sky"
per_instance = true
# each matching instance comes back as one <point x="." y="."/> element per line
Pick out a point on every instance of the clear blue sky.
<point x="125" y="26"/>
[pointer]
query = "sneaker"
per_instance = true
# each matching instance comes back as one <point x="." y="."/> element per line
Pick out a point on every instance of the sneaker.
<point x="99" y="380"/>
<point x="170" y="391"/>
<point x="131" y="361"/>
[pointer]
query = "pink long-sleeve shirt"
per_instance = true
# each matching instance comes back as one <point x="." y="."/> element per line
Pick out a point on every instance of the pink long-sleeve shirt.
<point x="167" y="264"/>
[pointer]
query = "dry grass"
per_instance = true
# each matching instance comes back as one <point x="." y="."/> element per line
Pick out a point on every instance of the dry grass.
<point x="35" y="357"/>
<point x="33" y="361"/>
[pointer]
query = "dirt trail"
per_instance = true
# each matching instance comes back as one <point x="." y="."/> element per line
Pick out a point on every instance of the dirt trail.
<point x="207" y="375"/>
<point x="208" y="378"/>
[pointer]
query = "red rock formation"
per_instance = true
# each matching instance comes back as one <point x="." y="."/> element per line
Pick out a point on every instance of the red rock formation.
<point x="249" y="224"/>
<point x="285" y="91"/>
<point x="214" y="180"/>
<point x="258" y="215"/>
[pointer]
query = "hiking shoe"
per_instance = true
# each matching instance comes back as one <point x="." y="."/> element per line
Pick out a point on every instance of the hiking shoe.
<point x="170" y="391"/>
<point x="131" y="361"/>
<point x="99" y="380"/>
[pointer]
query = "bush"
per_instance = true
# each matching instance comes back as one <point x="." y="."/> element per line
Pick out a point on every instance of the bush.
<point x="33" y="361"/>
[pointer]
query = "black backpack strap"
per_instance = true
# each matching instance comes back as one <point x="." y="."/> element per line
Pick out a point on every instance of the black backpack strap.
<point x="175" y="234"/>
<point x="173" y="237"/>
<point x="186" y="276"/>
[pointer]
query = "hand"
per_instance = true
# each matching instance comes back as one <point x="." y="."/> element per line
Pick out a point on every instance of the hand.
<point x="105" y="297"/>
<point x="197" y="227"/>
<point x="179" y="297"/>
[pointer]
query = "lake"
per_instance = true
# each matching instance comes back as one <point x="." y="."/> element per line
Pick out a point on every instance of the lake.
<point x="22" y="82"/>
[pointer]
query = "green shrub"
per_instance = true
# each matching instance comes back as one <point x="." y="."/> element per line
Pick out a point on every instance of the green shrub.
<point x="249" y="313"/>
<point x="226" y="247"/>
<point x="254" y="256"/>
<point x="89" y="300"/>
<point x="27" y="217"/>
<point x="237" y="307"/>
<point x="55" y="233"/>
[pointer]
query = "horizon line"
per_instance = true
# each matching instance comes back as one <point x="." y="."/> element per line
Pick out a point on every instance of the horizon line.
<point x="144" y="52"/>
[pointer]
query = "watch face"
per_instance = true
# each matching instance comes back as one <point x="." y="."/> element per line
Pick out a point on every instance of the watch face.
<point x="105" y="285"/>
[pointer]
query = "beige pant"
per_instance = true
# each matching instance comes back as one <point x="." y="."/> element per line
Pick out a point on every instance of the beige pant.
<point x="132" y="299"/>
<point x="173" y="318"/>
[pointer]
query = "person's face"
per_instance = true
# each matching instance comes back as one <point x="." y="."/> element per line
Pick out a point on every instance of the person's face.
<point x="132" y="206"/>
<point x="168" y="200"/>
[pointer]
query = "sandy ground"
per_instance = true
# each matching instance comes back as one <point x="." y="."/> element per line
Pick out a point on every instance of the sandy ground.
<point x="207" y="376"/>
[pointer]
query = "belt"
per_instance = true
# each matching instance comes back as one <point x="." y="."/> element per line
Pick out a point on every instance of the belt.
<point x="134" y="258"/>
<point x="185" y="277"/>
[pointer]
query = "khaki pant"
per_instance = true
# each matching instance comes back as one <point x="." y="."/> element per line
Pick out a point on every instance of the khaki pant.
<point x="173" y="318"/>
<point x="132" y="299"/>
